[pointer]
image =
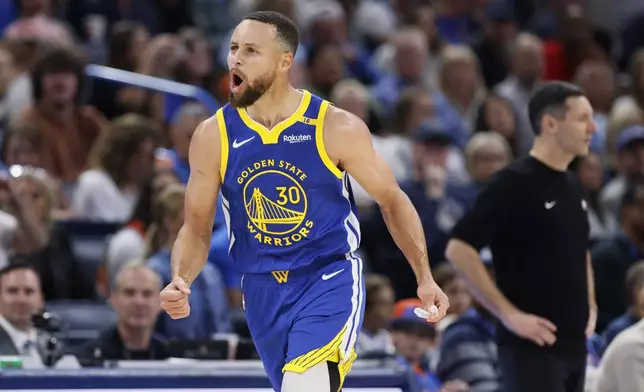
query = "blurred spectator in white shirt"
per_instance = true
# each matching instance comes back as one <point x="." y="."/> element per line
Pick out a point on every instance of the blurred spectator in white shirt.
<point x="122" y="161"/>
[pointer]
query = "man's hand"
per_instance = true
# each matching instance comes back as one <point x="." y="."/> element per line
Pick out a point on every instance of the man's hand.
<point x="531" y="327"/>
<point x="592" y="321"/>
<point x="174" y="299"/>
<point x="432" y="295"/>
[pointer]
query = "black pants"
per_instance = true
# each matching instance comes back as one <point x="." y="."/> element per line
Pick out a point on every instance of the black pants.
<point x="537" y="370"/>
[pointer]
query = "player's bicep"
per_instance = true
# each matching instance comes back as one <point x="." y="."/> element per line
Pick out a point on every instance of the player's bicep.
<point x="204" y="183"/>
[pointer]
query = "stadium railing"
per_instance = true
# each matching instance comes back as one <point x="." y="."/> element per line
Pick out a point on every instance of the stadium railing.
<point x="197" y="376"/>
<point x="170" y="88"/>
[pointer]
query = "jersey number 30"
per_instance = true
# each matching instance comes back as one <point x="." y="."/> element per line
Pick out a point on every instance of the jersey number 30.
<point x="288" y="195"/>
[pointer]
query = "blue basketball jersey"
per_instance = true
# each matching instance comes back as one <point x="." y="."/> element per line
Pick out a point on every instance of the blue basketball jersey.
<point x="286" y="205"/>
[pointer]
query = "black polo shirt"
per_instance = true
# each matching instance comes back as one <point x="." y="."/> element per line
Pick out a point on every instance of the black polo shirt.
<point x="534" y="220"/>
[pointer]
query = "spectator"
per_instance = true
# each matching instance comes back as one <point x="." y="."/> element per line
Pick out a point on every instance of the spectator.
<point x="614" y="256"/>
<point x="410" y="61"/>
<point x="622" y="366"/>
<point x="67" y="128"/>
<point x="326" y="68"/>
<point x="630" y="167"/>
<point x="374" y="337"/>
<point x="414" y="339"/>
<point x="599" y="81"/>
<point x="135" y="297"/>
<point x="326" y="23"/>
<point x="591" y="176"/>
<point x="15" y="86"/>
<point x="454" y="286"/>
<point x="468" y="351"/>
<point x="122" y="161"/>
<point x="635" y="296"/>
<point x="497" y="114"/>
<point x="20" y="145"/>
<point x="197" y="67"/>
<point x="628" y="109"/>
<point x="527" y="64"/>
<point x="183" y="125"/>
<point x="209" y="308"/>
<point x="455" y="20"/>
<point x="460" y="80"/>
<point x="129" y="242"/>
<point x="492" y="49"/>
<point x="486" y="153"/>
<point x="127" y="41"/>
<point x="39" y="242"/>
<point x="160" y="59"/>
<point x="20" y="299"/>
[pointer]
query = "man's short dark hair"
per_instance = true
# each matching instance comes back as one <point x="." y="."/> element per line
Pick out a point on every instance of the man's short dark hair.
<point x="17" y="265"/>
<point x="551" y="99"/>
<point x="285" y="29"/>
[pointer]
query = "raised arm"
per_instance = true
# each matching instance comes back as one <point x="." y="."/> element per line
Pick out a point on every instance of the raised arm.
<point x="349" y="146"/>
<point x="190" y="250"/>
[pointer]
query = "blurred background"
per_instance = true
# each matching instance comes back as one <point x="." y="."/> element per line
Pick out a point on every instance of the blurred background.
<point x="99" y="100"/>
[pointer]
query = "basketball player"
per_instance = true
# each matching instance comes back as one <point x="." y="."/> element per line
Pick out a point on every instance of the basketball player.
<point x="281" y="158"/>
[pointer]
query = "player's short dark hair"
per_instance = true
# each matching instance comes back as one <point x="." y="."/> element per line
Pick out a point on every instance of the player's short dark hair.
<point x="551" y="99"/>
<point x="285" y="29"/>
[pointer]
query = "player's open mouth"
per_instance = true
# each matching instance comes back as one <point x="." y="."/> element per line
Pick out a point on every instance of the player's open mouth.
<point x="236" y="82"/>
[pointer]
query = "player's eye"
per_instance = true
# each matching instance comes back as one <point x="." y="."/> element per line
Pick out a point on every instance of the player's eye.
<point x="233" y="48"/>
<point x="251" y="50"/>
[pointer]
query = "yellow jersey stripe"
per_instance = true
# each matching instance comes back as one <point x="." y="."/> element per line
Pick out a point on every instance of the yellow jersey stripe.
<point x="223" y="140"/>
<point x="319" y="141"/>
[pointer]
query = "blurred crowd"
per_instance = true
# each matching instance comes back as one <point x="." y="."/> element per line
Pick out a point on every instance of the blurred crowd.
<point x="93" y="171"/>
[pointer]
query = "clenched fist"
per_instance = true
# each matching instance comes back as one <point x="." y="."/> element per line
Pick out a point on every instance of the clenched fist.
<point x="174" y="299"/>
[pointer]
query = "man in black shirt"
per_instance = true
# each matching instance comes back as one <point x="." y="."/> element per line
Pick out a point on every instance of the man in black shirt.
<point x="533" y="217"/>
<point x="136" y="301"/>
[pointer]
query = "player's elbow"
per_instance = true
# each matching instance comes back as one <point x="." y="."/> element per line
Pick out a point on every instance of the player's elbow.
<point x="391" y="199"/>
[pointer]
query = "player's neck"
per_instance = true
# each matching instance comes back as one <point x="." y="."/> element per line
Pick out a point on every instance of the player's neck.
<point x="551" y="155"/>
<point x="278" y="103"/>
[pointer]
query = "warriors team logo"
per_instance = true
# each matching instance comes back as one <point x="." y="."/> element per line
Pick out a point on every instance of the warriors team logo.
<point x="275" y="201"/>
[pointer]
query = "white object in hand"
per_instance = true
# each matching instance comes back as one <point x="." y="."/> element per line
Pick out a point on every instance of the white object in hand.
<point x="422" y="313"/>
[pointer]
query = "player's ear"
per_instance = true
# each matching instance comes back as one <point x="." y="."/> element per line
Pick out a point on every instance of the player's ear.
<point x="287" y="61"/>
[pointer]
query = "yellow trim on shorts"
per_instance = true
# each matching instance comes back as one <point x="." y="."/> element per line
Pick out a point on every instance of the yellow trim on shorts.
<point x="319" y="141"/>
<point x="331" y="352"/>
<point x="223" y="140"/>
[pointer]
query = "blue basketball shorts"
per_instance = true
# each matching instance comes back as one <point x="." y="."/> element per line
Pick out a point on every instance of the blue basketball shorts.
<point x="303" y="317"/>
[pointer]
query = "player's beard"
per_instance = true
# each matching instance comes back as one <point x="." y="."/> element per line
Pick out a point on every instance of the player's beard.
<point x="252" y="92"/>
